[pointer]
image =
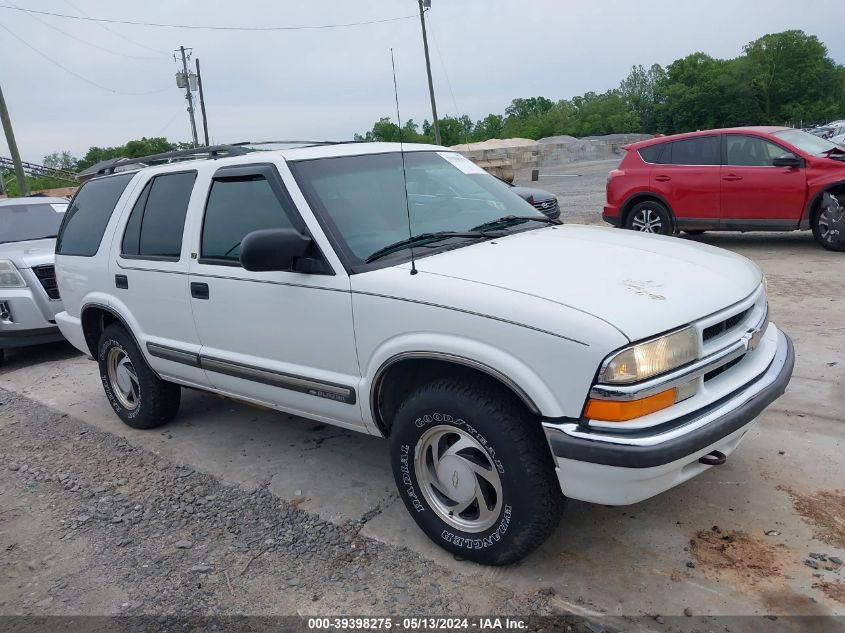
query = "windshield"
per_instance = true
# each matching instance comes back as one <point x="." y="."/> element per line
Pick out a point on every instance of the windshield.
<point x="364" y="197"/>
<point x="807" y="142"/>
<point x="30" y="220"/>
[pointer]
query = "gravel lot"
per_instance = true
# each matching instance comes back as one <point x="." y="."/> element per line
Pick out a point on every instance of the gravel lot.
<point x="236" y="510"/>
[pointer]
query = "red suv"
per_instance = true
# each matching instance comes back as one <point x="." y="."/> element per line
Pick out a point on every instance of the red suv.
<point x="736" y="179"/>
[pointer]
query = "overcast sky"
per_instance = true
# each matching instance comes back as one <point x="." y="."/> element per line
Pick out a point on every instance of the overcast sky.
<point x="328" y="84"/>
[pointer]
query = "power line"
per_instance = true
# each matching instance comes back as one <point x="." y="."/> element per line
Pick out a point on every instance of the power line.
<point x="75" y="74"/>
<point x="118" y="34"/>
<point x="208" y="27"/>
<point x="79" y="39"/>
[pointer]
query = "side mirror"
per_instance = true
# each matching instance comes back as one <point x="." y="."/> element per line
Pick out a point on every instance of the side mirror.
<point x="787" y="160"/>
<point x="273" y="249"/>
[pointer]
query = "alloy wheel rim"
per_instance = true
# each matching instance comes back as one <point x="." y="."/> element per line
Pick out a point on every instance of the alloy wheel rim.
<point x="123" y="378"/>
<point x="458" y="479"/>
<point x="647" y="221"/>
<point x="824" y="226"/>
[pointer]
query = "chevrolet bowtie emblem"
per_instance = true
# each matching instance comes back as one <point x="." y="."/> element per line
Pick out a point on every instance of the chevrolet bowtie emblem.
<point x="455" y="479"/>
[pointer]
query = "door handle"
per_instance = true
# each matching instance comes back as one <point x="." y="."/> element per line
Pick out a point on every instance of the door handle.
<point x="731" y="177"/>
<point x="662" y="178"/>
<point x="199" y="290"/>
<point x="121" y="281"/>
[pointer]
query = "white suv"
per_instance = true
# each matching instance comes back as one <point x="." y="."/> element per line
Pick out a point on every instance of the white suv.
<point x="510" y="360"/>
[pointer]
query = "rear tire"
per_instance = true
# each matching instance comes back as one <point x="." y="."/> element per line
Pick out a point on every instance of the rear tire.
<point x="821" y="230"/>
<point x="650" y="217"/>
<point x="139" y="397"/>
<point x="456" y="444"/>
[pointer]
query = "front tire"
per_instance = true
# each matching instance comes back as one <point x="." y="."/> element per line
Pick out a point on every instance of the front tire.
<point x="649" y="217"/>
<point x="474" y="471"/>
<point x="822" y="229"/>
<point x="139" y="397"/>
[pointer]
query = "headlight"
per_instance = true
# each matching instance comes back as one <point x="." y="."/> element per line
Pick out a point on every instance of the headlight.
<point x="9" y="275"/>
<point x="651" y="358"/>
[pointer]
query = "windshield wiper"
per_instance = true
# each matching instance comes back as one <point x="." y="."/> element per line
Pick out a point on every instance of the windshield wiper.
<point x="425" y="238"/>
<point x="511" y="220"/>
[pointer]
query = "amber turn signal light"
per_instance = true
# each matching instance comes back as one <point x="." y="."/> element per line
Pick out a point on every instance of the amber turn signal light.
<point x="622" y="411"/>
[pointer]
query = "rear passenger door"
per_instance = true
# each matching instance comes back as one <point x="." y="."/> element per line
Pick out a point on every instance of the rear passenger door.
<point x="687" y="176"/>
<point x="281" y="338"/>
<point x="150" y="276"/>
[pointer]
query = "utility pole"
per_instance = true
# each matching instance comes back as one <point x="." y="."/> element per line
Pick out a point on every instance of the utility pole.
<point x="189" y="97"/>
<point x="13" y="146"/>
<point x="427" y="4"/>
<point x="202" y="103"/>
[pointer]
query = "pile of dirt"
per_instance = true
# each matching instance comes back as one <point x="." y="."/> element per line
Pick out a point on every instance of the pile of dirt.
<point x="825" y="511"/>
<point x="750" y="559"/>
<point x="832" y="589"/>
<point x="563" y="138"/>
<point x="494" y="143"/>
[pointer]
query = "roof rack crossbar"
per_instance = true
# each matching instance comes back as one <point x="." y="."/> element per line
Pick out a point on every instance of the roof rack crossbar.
<point x="211" y="151"/>
<point x="306" y="143"/>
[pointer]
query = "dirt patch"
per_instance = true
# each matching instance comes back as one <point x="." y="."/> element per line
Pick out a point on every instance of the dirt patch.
<point x="825" y="511"/>
<point x="751" y="560"/>
<point x="832" y="589"/>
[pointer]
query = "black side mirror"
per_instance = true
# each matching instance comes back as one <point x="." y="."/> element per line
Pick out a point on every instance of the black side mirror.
<point x="273" y="249"/>
<point x="788" y="160"/>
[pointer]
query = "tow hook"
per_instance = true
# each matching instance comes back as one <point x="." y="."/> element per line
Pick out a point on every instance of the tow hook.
<point x="714" y="458"/>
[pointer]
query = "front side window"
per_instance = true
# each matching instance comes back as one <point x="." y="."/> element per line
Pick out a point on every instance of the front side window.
<point x="236" y="207"/>
<point x="701" y="150"/>
<point x="157" y="221"/>
<point x="751" y="151"/>
<point x="88" y="214"/>
<point x="364" y="197"/>
<point x="30" y="221"/>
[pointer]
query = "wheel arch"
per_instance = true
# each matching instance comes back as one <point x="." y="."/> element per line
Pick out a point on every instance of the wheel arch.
<point x="400" y="373"/>
<point x="644" y="196"/>
<point x="815" y="202"/>
<point x="95" y="318"/>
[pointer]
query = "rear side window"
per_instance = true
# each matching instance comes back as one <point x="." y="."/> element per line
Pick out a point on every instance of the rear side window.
<point x="236" y="207"/>
<point x="88" y="214"/>
<point x="651" y="154"/>
<point x="702" y="150"/>
<point x="157" y="221"/>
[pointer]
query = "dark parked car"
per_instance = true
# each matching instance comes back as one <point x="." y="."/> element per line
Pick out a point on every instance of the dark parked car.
<point x="541" y="199"/>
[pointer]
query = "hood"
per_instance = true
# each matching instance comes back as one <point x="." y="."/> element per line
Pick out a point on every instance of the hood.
<point x="30" y="253"/>
<point x="537" y="194"/>
<point x="641" y="285"/>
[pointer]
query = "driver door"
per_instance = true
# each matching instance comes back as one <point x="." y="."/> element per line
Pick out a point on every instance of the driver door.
<point x="756" y="194"/>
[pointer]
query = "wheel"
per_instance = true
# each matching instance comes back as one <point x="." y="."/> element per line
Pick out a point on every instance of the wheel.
<point x="475" y="471"/>
<point x="139" y="397"/>
<point x="822" y="224"/>
<point x="694" y="232"/>
<point x="649" y="217"/>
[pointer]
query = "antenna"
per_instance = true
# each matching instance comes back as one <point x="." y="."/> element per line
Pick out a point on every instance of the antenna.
<point x="402" y="153"/>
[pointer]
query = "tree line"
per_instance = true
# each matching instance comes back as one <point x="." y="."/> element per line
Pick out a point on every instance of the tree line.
<point x="783" y="78"/>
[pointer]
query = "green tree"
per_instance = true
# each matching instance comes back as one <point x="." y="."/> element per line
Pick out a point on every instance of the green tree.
<point x="60" y="160"/>
<point x="132" y="149"/>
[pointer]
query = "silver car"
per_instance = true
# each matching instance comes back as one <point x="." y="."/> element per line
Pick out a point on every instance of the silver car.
<point x="29" y="297"/>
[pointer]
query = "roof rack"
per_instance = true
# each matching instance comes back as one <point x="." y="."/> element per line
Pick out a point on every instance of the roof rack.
<point x="304" y="143"/>
<point x="211" y="151"/>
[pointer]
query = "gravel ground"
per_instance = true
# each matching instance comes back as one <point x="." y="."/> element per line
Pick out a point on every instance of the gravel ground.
<point x="90" y="524"/>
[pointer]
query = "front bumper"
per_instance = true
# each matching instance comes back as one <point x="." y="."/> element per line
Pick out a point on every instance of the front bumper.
<point x="618" y="469"/>
<point x="27" y="318"/>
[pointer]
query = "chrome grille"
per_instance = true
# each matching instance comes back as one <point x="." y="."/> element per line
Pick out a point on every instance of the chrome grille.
<point x="47" y="276"/>
<point x="545" y="205"/>
<point x="723" y="326"/>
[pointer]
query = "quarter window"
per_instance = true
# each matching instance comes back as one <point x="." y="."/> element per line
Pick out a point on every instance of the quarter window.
<point x="752" y="151"/>
<point x="651" y="154"/>
<point x="157" y="221"/>
<point x="701" y="150"/>
<point x="88" y="214"/>
<point x="235" y="208"/>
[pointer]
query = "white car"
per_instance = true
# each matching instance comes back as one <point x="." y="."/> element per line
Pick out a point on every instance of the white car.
<point x="29" y="297"/>
<point x="511" y="361"/>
